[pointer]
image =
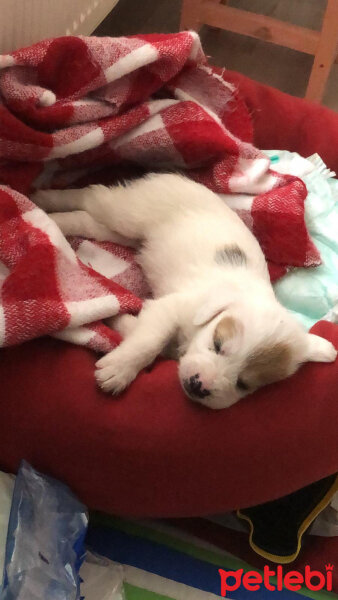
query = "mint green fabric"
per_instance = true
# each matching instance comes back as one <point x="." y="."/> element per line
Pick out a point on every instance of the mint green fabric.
<point x="312" y="294"/>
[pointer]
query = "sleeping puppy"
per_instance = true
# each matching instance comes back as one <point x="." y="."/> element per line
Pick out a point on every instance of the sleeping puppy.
<point x="212" y="294"/>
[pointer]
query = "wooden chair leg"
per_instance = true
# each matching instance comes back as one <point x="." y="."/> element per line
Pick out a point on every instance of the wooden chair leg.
<point x="190" y="15"/>
<point x="325" y="54"/>
<point x="217" y="30"/>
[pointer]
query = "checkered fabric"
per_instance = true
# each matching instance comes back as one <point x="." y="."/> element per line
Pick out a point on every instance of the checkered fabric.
<point x="70" y="107"/>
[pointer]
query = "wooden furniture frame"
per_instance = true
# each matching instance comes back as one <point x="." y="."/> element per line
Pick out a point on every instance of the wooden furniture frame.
<point x="321" y="44"/>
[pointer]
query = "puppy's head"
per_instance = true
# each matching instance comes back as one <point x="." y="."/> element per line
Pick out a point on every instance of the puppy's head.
<point x="240" y="347"/>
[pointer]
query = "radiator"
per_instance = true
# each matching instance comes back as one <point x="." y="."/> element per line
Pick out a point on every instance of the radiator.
<point x="23" y="22"/>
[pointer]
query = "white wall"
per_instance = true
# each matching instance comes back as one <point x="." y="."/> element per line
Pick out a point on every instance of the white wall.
<point x="23" y="22"/>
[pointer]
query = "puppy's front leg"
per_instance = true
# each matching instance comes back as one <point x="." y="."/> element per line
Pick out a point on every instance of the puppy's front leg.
<point x="156" y="325"/>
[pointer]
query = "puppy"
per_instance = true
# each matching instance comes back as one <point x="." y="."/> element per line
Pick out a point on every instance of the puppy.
<point x="212" y="294"/>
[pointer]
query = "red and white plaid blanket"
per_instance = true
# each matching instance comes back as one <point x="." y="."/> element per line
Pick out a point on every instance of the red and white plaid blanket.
<point x="77" y="110"/>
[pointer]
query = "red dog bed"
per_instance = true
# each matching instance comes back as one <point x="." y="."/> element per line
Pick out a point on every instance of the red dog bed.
<point x="151" y="452"/>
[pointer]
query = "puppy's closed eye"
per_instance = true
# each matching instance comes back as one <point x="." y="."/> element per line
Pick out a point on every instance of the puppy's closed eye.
<point x="217" y="345"/>
<point x="242" y="385"/>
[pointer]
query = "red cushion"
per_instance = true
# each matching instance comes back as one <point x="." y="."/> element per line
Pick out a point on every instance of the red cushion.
<point x="152" y="452"/>
<point x="282" y="122"/>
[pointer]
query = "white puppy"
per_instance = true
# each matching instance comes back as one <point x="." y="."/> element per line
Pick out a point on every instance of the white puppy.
<point x="212" y="293"/>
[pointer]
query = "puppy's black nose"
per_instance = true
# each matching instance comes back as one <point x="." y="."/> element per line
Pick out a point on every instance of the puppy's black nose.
<point x="193" y="386"/>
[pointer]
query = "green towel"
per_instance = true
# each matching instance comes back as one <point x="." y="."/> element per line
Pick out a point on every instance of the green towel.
<point x="312" y="294"/>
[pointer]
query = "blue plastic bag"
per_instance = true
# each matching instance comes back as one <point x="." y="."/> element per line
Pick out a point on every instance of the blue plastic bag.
<point x="45" y="540"/>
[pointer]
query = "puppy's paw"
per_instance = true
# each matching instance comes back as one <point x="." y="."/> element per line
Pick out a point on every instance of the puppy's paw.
<point x="124" y="324"/>
<point x="114" y="373"/>
<point x="320" y="349"/>
<point x="330" y="353"/>
<point x="40" y="198"/>
<point x="47" y="200"/>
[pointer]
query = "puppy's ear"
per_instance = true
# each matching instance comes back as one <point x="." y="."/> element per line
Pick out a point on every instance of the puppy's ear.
<point x="210" y="309"/>
<point x="228" y="335"/>
<point x="319" y="349"/>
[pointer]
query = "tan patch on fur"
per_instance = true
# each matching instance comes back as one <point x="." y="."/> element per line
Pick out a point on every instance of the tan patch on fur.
<point x="267" y="365"/>
<point x="226" y="329"/>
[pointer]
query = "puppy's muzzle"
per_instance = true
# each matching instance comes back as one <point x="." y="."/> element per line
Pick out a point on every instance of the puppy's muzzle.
<point x="194" y="387"/>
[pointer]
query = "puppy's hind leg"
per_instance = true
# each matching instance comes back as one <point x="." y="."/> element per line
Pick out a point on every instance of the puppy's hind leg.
<point x="80" y="223"/>
<point x="131" y="210"/>
<point x="59" y="200"/>
<point x="113" y="207"/>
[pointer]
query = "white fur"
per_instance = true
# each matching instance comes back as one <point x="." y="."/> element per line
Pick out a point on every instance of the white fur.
<point x="181" y="225"/>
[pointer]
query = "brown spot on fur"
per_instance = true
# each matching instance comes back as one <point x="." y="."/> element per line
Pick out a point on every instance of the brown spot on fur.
<point x="232" y="255"/>
<point x="267" y="365"/>
<point x="226" y="329"/>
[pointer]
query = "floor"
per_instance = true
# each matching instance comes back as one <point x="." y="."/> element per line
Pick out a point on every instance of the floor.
<point x="283" y="68"/>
